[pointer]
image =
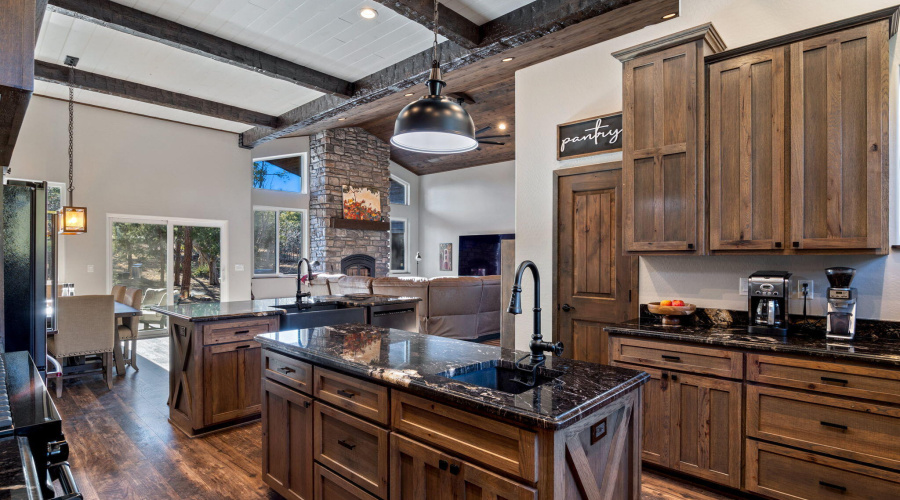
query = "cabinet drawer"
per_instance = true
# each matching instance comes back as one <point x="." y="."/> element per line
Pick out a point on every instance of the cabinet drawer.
<point x="330" y="486"/>
<point x="352" y="447"/>
<point x="698" y="360"/>
<point x="491" y="443"/>
<point x="789" y="474"/>
<point x="288" y="371"/>
<point x="239" y="330"/>
<point x="357" y="396"/>
<point x="834" y="378"/>
<point x="858" y="431"/>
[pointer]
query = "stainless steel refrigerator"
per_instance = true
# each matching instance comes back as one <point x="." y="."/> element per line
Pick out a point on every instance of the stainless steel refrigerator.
<point x="25" y="269"/>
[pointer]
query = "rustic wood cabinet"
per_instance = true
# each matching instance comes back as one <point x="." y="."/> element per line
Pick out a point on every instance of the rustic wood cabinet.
<point x="231" y="379"/>
<point x="287" y="440"/>
<point x="663" y="141"/>
<point x="839" y="127"/>
<point x="747" y="153"/>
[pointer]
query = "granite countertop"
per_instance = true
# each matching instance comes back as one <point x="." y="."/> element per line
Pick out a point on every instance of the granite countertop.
<point x="884" y="351"/>
<point x="214" y="311"/>
<point x="412" y="361"/>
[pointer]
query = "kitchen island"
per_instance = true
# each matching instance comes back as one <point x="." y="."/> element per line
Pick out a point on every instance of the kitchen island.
<point x="356" y="411"/>
<point x="214" y="361"/>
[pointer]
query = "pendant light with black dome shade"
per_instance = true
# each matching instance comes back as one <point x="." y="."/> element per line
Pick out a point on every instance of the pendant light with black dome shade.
<point x="435" y="124"/>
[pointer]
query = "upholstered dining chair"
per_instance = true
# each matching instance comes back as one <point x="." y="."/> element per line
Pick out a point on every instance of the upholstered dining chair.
<point x="85" y="328"/>
<point x="118" y="293"/>
<point x="128" y="330"/>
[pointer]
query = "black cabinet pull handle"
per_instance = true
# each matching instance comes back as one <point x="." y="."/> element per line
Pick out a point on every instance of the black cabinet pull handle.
<point x="567" y="307"/>
<point x="665" y="376"/>
<point x="836" y="426"/>
<point x="454" y="469"/>
<point x="307" y="404"/>
<point x="242" y="347"/>
<point x="833" y="486"/>
<point x="796" y="244"/>
<point x="286" y="370"/>
<point x="442" y="464"/>
<point x="777" y="244"/>
<point x="835" y="380"/>
<point x="239" y="332"/>
<point x="346" y="394"/>
<point x="671" y="358"/>
<point x="690" y="246"/>
<point x="346" y="444"/>
<point x="674" y="378"/>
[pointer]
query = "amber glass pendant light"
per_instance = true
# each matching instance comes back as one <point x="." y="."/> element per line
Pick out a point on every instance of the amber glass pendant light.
<point x="72" y="219"/>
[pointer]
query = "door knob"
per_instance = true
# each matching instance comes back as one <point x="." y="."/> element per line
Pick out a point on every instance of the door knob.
<point x="567" y="307"/>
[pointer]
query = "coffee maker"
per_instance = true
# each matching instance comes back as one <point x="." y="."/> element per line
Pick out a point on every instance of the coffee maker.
<point x="768" y="302"/>
<point x="841" y="319"/>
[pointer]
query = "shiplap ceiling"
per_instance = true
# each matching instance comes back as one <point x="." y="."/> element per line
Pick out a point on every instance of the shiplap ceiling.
<point x="326" y="35"/>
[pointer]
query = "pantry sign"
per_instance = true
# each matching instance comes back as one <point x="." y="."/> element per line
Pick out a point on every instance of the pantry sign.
<point x="600" y="134"/>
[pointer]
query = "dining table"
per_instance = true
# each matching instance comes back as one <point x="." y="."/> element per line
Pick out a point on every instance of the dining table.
<point x="122" y="311"/>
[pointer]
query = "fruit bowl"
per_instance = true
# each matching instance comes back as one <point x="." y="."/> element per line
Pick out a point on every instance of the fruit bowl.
<point x="671" y="315"/>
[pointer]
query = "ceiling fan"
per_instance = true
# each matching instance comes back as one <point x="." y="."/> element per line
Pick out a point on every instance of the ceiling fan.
<point x="481" y="138"/>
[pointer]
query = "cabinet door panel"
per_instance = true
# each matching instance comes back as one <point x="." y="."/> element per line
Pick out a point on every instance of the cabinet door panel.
<point x="746" y="155"/>
<point x="287" y="427"/>
<point x="838" y="115"/>
<point x="231" y="380"/>
<point x="656" y="415"/>
<point x="706" y="438"/>
<point x="660" y="150"/>
<point x="418" y="472"/>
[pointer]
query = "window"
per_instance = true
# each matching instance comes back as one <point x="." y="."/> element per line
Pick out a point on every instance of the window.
<point x="279" y="241"/>
<point x="287" y="173"/>
<point x="398" y="245"/>
<point x="399" y="192"/>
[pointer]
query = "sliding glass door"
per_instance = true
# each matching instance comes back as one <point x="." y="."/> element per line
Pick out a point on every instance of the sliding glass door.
<point x="172" y="261"/>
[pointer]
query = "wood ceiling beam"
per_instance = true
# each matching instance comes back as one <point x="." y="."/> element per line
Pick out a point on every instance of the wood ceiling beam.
<point x="17" y="37"/>
<point x="135" y="22"/>
<point x="531" y="34"/>
<point x="451" y="24"/>
<point x="56" y="73"/>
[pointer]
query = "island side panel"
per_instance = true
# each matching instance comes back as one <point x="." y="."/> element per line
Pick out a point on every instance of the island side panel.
<point x="185" y="369"/>
<point x="598" y="457"/>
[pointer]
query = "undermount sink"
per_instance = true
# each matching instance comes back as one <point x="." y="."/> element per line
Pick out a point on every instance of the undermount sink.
<point x="307" y="307"/>
<point x="298" y="317"/>
<point x="500" y="375"/>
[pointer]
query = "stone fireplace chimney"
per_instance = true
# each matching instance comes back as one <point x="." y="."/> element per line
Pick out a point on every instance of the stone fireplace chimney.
<point x="339" y="157"/>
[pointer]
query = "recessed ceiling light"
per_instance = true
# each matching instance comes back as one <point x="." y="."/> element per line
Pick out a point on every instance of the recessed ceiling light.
<point x="368" y="13"/>
<point x="408" y="95"/>
<point x="507" y="59"/>
<point x="670" y="16"/>
<point x="502" y="126"/>
<point x="341" y="119"/>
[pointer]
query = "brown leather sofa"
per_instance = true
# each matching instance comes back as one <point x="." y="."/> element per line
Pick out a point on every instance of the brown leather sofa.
<point x="464" y="307"/>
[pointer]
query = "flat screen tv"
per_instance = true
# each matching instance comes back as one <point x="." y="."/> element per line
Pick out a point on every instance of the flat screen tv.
<point x="479" y="255"/>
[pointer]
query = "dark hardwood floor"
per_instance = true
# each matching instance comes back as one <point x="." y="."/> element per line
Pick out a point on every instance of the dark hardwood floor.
<point x="123" y="447"/>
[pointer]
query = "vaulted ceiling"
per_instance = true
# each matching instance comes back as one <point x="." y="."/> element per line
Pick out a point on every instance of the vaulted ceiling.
<point x="273" y="68"/>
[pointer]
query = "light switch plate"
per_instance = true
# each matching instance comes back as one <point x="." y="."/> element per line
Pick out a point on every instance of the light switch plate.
<point x="238" y="267"/>
<point x="800" y="289"/>
<point x="744" y="286"/>
<point x="90" y="268"/>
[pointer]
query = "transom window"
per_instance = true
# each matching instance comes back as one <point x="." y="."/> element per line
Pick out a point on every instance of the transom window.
<point x="279" y="241"/>
<point x="283" y="173"/>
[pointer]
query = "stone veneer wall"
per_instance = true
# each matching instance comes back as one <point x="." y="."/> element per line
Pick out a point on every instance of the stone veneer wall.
<point x="339" y="157"/>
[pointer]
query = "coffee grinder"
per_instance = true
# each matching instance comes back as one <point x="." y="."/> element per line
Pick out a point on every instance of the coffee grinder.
<point x="768" y="302"/>
<point x="841" y="319"/>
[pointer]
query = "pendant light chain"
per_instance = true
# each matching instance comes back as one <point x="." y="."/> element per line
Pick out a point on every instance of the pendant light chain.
<point x="71" y="136"/>
<point x="435" y="47"/>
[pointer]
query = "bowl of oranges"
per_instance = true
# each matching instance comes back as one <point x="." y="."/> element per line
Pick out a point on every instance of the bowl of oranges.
<point x="672" y="311"/>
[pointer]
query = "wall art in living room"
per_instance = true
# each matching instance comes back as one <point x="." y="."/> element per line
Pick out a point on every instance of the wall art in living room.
<point x="361" y="203"/>
<point x="446" y="256"/>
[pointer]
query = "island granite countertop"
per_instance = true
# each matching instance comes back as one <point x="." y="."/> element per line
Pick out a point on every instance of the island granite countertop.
<point x="414" y="363"/>
<point x="215" y="311"/>
<point x="882" y="351"/>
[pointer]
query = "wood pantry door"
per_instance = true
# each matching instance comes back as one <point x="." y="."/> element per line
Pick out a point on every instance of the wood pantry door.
<point x="597" y="282"/>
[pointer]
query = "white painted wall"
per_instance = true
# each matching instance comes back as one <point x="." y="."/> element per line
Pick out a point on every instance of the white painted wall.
<point x="267" y="288"/>
<point x="542" y="102"/>
<point x="476" y="200"/>
<point x="133" y="165"/>
<point x="411" y="214"/>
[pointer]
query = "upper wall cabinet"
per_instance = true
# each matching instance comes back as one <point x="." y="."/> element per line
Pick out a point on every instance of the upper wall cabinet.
<point x="798" y="141"/>
<point x="663" y="138"/>
<point x="747" y="151"/>
<point x="839" y="120"/>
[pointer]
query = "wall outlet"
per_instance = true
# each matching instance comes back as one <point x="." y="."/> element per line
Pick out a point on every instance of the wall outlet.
<point x="744" y="286"/>
<point x="90" y="268"/>
<point x="808" y="283"/>
<point x="238" y="267"/>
